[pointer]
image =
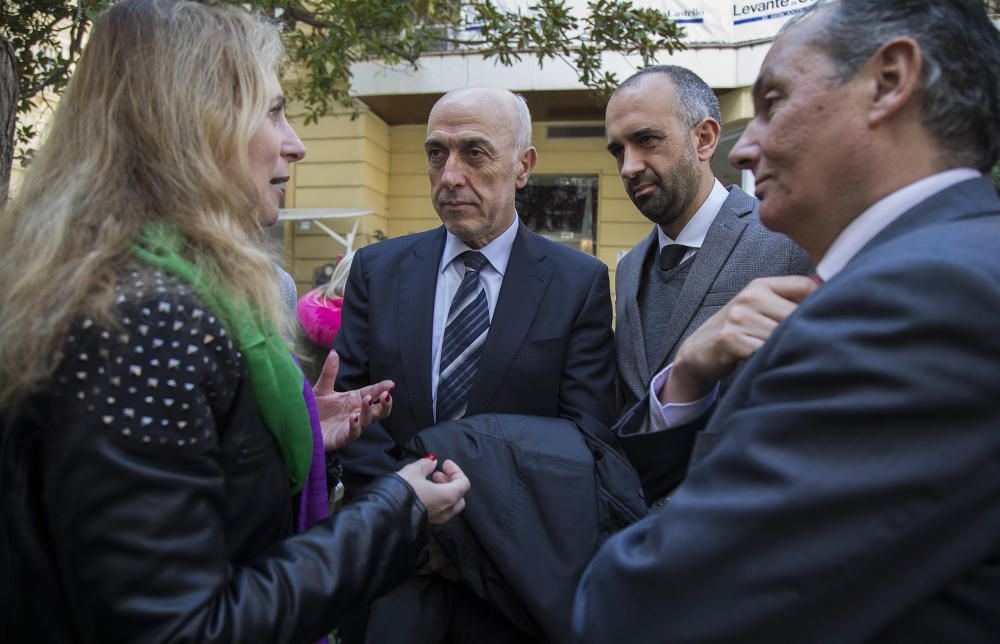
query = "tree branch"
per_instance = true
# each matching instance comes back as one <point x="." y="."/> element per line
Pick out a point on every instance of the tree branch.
<point x="8" y="114"/>
<point x="298" y="13"/>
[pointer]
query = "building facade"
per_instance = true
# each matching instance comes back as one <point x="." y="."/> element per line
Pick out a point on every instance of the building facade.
<point x="374" y="163"/>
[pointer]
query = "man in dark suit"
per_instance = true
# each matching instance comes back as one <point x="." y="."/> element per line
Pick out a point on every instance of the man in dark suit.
<point x="847" y="487"/>
<point x="663" y="126"/>
<point x="541" y="314"/>
<point x="548" y="349"/>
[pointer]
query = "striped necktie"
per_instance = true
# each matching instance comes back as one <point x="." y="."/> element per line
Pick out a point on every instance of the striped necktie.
<point x="464" y="337"/>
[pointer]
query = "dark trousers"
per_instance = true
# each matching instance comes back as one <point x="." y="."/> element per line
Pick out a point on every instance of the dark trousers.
<point x="429" y="609"/>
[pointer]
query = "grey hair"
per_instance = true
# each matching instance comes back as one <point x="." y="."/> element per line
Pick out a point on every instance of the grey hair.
<point x="523" y="125"/>
<point x="960" y="90"/>
<point x="695" y="98"/>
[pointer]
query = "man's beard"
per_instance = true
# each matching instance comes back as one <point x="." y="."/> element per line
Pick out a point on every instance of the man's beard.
<point x="673" y="197"/>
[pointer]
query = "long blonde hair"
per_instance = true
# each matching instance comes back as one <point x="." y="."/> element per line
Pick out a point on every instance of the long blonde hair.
<point x="154" y="125"/>
<point x="338" y="281"/>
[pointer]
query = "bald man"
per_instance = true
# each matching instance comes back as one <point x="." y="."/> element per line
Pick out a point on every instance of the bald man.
<point x="546" y="347"/>
<point x="541" y="312"/>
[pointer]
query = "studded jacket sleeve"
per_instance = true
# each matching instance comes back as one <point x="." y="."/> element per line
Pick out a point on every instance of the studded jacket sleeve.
<point x="165" y="501"/>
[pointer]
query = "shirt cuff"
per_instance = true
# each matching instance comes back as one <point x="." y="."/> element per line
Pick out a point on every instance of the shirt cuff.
<point x="663" y="417"/>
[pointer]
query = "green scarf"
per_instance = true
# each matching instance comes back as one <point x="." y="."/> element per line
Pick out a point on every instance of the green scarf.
<point x="275" y="378"/>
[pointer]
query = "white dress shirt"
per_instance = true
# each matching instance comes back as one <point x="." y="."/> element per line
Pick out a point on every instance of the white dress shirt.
<point x="885" y="211"/>
<point x="694" y="232"/>
<point x="848" y="243"/>
<point x="451" y="270"/>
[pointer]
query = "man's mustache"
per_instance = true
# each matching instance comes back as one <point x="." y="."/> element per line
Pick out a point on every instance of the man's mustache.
<point x="643" y="179"/>
<point x="452" y="198"/>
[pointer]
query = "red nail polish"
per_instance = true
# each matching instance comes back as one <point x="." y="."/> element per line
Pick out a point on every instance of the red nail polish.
<point x="373" y="402"/>
<point x="431" y="456"/>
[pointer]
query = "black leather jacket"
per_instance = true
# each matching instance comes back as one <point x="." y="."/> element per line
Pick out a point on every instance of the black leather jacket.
<point x="144" y="500"/>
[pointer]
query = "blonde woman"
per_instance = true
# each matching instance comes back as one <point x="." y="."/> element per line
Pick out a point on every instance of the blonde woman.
<point x="162" y="457"/>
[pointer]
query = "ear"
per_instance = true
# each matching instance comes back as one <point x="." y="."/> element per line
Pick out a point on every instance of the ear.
<point x="706" y="138"/>
<point x="895" y="74"/>
<point x="525" y="165"/>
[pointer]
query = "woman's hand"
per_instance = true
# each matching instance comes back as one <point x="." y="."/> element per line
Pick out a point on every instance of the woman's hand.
<point x="342" y="415"/>
<point x="443" y="493"/>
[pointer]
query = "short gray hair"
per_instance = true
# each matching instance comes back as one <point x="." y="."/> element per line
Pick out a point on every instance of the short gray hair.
<point x="695" y="98"/>
<point x="960" y="90"/>
<point x="523" y="140"/>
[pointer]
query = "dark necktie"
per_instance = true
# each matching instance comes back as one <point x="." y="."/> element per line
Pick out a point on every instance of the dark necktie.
<point x="464" y="336"/>
<point x="670" y="256"/>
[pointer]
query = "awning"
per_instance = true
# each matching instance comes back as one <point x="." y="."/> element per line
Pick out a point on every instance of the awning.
<point x="316" y="215"/>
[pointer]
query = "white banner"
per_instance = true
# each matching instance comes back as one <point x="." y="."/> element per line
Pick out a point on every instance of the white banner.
<point x="716" y="21"/>
<point x="702" y="21"/>
<point x="753" y="19"/>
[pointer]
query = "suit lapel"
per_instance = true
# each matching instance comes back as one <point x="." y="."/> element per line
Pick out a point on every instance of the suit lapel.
<point x="521" y="293"/>
<point x="418" y="275"/>
<point x="722" y="236"/>
<point x="638" y="374"/>
<point x="969" y="198"/>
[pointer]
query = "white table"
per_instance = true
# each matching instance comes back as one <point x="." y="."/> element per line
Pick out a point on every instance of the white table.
<point x="316" y="215"/>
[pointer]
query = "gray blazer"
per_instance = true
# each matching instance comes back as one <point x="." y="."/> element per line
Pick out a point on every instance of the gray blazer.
<point x="737" y="249"/>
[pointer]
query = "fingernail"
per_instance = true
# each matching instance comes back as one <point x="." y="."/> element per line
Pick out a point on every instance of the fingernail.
<point x="354" y="417"/>
<point x="373" y="402"/>
<point x="431" y="456"/>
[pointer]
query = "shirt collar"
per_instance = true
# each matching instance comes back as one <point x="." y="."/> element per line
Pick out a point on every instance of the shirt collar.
<point x="694" y="232"/>
<point x="882" y="213"/>
<point x="497" y="251"/>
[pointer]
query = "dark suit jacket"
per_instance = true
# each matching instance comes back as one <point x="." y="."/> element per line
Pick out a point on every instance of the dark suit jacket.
<point x="737" y="249"/>
<point x="549" y="351"/>
<point x="847" y="488"/>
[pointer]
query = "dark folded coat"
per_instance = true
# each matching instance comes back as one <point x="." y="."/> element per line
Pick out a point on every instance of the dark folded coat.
<point x="546" y="492"/>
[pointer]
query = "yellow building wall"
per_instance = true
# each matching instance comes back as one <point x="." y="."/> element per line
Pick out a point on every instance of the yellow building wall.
<point x="346" y="166"/>
<point x="619" y="225"/>
<point x="410" y="208"/>
<point x="736" y="105"/>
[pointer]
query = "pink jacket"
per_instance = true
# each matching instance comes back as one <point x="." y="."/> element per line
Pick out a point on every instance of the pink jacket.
<point x="319" y="317"/>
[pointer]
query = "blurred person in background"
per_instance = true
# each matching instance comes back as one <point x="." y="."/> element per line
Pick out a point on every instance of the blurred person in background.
<point x="319" y="315"/>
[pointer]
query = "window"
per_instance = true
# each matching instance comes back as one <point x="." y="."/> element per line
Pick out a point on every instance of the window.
<point x="561" y="208"/>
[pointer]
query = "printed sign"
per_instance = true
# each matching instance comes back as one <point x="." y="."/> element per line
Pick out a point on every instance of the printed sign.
<point x="753" y="19"/>
<point x="702" y="21"/>
<point x="716" y="21"/>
